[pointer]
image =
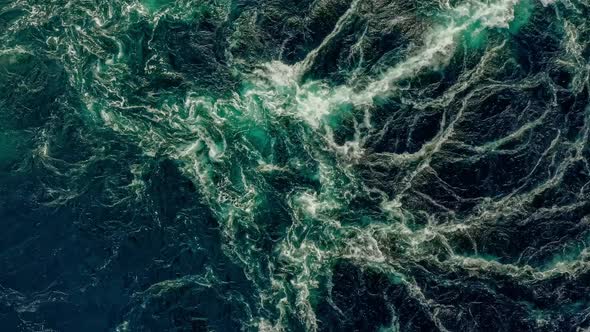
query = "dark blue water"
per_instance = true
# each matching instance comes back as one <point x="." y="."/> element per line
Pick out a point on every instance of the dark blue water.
<point x="328" y="165"/>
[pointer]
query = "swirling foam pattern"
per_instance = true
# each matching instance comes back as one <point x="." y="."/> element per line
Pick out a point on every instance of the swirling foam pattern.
<point x="294" y="165"/>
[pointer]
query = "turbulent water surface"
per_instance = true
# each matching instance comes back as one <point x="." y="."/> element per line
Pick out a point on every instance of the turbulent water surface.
<point x="294" y="165"/>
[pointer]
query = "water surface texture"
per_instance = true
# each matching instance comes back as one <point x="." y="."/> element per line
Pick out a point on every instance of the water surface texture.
<point x="294" y="165"/>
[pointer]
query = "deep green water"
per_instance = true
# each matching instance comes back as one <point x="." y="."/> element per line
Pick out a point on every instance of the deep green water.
<point x="276" y="165"/>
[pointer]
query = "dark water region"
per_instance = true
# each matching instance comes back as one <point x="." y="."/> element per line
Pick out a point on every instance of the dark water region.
<point x="283" y="165"/>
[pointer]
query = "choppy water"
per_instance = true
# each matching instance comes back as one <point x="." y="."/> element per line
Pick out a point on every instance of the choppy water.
<point x="282" y="165"/>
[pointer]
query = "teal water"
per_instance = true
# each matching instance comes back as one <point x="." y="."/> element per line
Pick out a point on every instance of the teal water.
<point x="327" y="165"/>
